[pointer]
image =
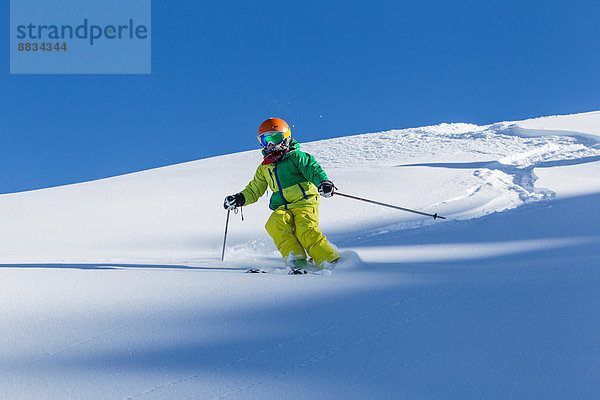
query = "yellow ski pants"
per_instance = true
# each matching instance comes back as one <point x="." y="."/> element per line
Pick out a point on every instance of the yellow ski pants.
<point x="296" y="231"/>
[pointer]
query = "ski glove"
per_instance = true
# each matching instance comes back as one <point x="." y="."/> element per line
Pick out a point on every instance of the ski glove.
<point x="326" y="188"/>
<point x="234" y="201"/>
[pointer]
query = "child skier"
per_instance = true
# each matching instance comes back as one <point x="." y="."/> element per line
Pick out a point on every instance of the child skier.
<point x="296" y="179"/>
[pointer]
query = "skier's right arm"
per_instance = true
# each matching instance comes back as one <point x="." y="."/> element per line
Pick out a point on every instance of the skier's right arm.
<point x="256" y="188"/>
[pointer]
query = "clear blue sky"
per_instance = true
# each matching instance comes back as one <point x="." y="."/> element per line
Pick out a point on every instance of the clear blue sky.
<point x="330" y="68"/>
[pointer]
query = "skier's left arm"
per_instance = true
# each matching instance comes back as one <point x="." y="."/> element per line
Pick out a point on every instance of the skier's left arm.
<point x="313" y="172"/>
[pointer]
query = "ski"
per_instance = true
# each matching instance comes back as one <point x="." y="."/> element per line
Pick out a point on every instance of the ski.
<point x="297" y="271"/>
<point x="349" y="259"/>
<point x="282" y="271"/>
<point x="255" y="271"/>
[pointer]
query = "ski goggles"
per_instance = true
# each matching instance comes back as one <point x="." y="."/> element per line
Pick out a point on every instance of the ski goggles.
<point x="271" y="137"/>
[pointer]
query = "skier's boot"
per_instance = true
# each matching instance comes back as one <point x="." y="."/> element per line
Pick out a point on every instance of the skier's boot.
<point x="297" y="265"/>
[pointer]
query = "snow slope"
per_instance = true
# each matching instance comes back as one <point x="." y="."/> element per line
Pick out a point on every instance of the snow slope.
<point x="115" y="288"/>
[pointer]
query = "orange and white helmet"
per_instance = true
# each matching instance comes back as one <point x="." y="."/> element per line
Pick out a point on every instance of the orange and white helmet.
<point x="274" y="131"/>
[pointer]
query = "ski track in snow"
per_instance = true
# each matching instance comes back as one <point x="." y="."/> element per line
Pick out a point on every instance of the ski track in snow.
<point x="508" y="168"/>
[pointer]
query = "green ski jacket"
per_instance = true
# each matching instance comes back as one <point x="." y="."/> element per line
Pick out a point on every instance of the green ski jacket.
<point x="292" y="179"/>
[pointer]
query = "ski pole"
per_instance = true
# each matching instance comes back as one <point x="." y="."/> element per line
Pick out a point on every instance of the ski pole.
<point x="435" y="216"/>
<point x="225" y="238"/>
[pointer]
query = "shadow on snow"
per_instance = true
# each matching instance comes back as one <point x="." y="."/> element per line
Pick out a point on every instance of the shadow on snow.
<point x="115" y="266"/>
